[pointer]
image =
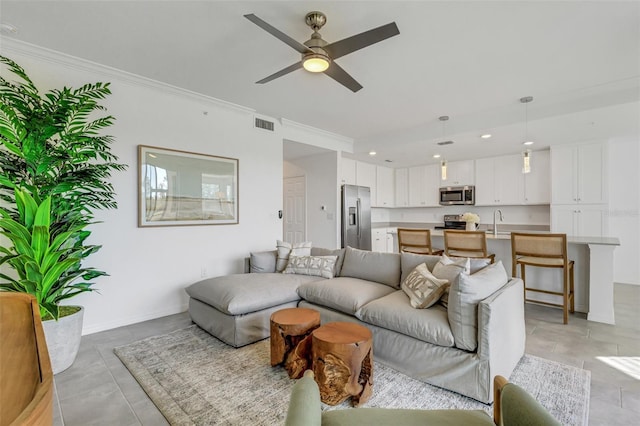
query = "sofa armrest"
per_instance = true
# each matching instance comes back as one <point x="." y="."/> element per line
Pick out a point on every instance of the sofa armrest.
<point x="304" y="405"/>
<point x="501" y="329"/>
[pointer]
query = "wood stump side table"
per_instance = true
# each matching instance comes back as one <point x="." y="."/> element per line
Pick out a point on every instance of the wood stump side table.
<point x="342" y="358"/>
<point x="291" y="339"/>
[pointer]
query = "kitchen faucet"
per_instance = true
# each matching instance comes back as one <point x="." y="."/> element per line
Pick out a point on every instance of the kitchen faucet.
<point x="495" y="224"/>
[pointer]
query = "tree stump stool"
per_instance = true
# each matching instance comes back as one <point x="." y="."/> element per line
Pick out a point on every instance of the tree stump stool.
<point x="342" y="358"/>
<point x="291" y="339"/>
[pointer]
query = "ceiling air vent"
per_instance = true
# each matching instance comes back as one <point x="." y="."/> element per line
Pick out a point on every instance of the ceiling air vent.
<point x="445" y="143"/>
<point x="264" y="124"/>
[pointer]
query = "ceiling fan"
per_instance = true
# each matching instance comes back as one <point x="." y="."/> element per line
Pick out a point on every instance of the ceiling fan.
<point x="320" y="56"/>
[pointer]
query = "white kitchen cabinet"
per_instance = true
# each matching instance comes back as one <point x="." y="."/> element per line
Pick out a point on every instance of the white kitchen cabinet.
<point x="391" y="241"/>
<point x="578" y="174"/>
<point x="402" y="187"/>
<point x="585" y="220"/>
<point x="385" y="185"/>
<point x="497" y="180"/>
<point x="366" y="176"/>
<point x="458" y="173"/>
<point x="537" y="183"/>
<point x="424" y="186"/>
<point x="379" y="240"/>
<point x="348" y="171"/>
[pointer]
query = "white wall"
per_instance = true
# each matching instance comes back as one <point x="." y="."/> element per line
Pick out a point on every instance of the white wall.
<point x="624" y="208"/>
<point x="321" y="172"/>
<point x="150" y="267"/>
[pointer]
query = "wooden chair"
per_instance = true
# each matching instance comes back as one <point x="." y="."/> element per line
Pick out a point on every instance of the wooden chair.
<point x="466" y="244"/>
<point x="26" y="384"/>
<point x="544" y="251"/>
<point x="417" y="241"/>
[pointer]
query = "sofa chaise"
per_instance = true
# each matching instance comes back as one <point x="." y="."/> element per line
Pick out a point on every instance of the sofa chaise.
<point x="460" y="347"/>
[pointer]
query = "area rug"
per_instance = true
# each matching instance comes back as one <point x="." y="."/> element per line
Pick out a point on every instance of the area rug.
<point x="195" y="379"/>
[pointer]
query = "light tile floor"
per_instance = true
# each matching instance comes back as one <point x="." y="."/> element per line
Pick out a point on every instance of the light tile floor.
<point x="98" y="389"/>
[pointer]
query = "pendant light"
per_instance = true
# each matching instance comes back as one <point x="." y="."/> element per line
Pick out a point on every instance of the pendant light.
<point x="443" y="163"/>
<point x="526" y="154"/>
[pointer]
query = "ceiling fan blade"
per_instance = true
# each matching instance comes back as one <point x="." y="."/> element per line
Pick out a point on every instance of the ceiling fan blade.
<point x="336" y="72"/>
<point x="280" y="73"/>
<point x="362" y="40"/>
<point x="278" y="34"/>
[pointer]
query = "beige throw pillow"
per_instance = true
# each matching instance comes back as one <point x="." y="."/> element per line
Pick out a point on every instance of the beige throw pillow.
<point x="449" y="269"/>
<point x="317" y="266"/>
<point x="286" y="249"/>
<point x="464" y="295"/>
<point x="423" y="288"/>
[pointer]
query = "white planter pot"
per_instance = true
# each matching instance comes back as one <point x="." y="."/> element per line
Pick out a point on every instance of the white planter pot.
<point x="63" y="340"/>
<point x="471" y="226"/>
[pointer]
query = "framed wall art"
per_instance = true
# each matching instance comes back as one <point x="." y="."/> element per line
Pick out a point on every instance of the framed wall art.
<point x="184" y="188"/>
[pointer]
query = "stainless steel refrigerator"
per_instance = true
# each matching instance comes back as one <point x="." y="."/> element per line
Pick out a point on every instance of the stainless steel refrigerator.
<point x="356" y="217"/>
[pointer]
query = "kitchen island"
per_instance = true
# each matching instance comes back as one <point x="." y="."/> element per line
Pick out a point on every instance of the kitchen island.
<point x="593" y="257"/>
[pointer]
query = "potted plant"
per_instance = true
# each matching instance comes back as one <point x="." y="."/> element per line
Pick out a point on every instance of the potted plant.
<point x="54" y="173"/>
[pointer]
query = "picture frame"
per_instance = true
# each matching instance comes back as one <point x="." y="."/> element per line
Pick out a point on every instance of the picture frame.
<point x="181" y="188"/>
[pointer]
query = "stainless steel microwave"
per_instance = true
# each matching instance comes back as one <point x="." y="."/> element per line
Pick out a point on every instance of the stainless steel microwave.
<point x="457" y="195"/>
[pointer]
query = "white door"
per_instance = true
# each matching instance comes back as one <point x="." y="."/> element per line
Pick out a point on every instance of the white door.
<point x="295" y="210"/>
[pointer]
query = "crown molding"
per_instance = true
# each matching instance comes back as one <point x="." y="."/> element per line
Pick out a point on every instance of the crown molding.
<point x="40" y="53"/>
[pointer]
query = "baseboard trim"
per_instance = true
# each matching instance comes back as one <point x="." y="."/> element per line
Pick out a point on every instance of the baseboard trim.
<point x="121" y="322"/>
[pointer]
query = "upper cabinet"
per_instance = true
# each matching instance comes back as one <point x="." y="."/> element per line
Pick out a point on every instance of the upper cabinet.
<point x="498" y="180"/>
<point x="402" y="187"/>
<point x="578" y="174"/>
<point x="348" y="171"/>
<point x="424" y="184"/>
<point x="385" y="186"/>
<point x="537" y="183"/>
<point x="458" y="173"/>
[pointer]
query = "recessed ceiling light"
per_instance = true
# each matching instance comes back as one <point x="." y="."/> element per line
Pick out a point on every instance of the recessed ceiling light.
<point x="485" y="136"/>
<point x="436" y="155"/>
<point x="527" y="143"/>
<point x="8" y="29"/>
<point x="372" y="153"/>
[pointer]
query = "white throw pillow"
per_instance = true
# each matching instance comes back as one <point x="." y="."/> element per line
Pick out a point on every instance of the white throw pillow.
<point x="423" y="289"/>
<point x="448" y="269"/>
<point x="464" y="295"/>
<point x="317" y="266"/>
<point x="286" y="249"/>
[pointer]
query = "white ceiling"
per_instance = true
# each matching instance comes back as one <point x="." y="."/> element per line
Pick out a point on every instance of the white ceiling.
<point x="470" y="60"/>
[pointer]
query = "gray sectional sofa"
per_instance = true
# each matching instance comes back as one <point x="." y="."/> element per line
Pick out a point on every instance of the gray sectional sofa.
<point x="460" y="348"/>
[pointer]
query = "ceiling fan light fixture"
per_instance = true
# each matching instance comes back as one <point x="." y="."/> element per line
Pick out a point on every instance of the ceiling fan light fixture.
<point x="315" y="62"/>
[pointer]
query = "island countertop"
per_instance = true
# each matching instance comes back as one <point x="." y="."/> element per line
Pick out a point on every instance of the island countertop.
<point x="593" y="257"/>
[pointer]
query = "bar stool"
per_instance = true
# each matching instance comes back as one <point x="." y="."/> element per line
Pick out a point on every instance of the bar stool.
<point x="544" y="251"/>
<point x="417" y="241"/>
<point x="467" y="244"/>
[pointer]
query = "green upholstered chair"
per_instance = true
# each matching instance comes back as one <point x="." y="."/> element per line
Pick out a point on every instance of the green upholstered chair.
<point x="513" y="407"/>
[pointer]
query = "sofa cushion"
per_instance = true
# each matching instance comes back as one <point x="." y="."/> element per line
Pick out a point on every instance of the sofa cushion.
<point x="423" y="288"/>
<point x="263" y="261"/>
<point x="319" y="251"/>
<point x="450" y="269"/>
<point x="383" y="268"/>
<point x="464" y="295"/>
<point x="394" y="312"/>
<point x="343" y="294"/>
<point x="243" y="293"/>
<point x="409" y="261"/>
<point x="286" y="249"/>
<point x="317" y="266"/>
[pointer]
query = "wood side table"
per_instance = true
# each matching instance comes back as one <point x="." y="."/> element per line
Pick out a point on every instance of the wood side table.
<point x="291" y="339"/>
<point x="342" y="359"/>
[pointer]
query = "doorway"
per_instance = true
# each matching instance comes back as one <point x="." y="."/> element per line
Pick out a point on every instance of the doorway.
<point x="295" y="210"/>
